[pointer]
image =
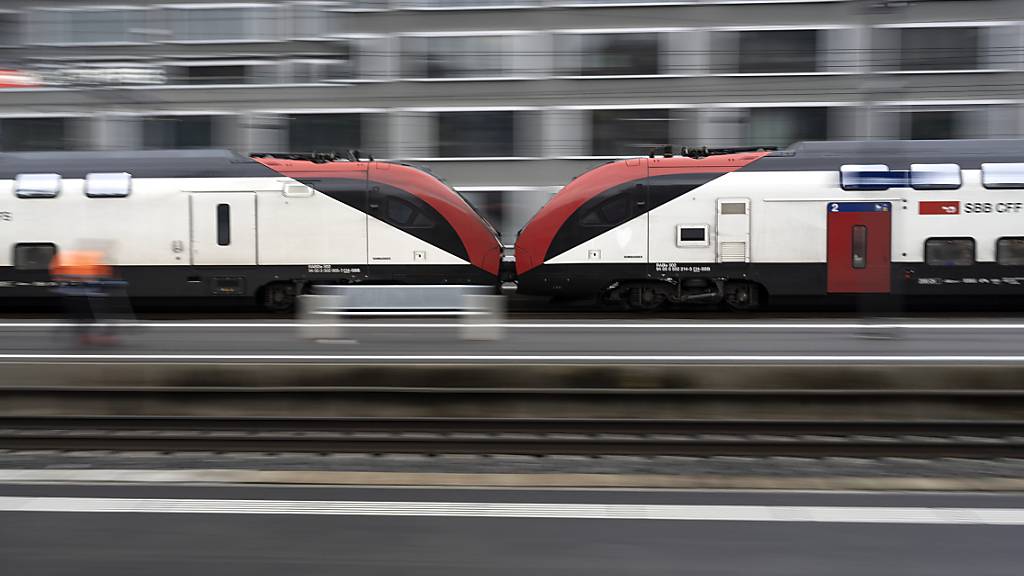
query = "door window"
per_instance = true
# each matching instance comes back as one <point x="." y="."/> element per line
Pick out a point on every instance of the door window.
<point x="860" y="246"/>
<point x="223" y="224"/>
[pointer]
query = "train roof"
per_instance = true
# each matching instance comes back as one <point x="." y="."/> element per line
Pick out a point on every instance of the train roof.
<point x="198" y="163"/>
<point x="896" y="154"/>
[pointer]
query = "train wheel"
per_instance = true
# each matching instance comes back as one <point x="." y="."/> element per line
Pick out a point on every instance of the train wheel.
<point x="743" y="296"/>
<point x="644" y="298"/>
<point x="278" y="297"/>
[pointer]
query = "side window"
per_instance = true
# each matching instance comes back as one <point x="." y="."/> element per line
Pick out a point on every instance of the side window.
<point x="37" y="185"/>
<point x="223" y="224"/>
<point x="934" y="176"/>
<point x="405" y="215"/>
<point x="949" y="251"/>
<point x="34" y="255"/>
<point x="692" y="235"/>
<point x="1010" y="251"/>
<point x="865" y="177"/>
<point x="999" y="176"/>
<point x="108" y="185"/>
<point x="611" y="212"/>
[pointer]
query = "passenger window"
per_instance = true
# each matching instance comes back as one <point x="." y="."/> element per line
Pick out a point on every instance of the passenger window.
<point x="405" y="214"/>
<point x="611" y="212"/>
<point x="108" y="185"/>
<point x="934" y="176"/>
<point x="223" y="224"/>
<point x="949" y="251"/>
<point x="34" y="256"/>
<point x="37" y="185"/>
<point x="997" y="176"/>
<point x="1010" y="251"/>
<point x="860" y="247"/>
<point x="869" y="177"/>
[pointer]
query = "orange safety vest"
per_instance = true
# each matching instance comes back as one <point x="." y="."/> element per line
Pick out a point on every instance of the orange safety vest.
<point x="79" y="266"/>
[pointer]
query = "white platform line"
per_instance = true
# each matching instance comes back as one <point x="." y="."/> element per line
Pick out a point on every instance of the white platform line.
<point x="588" y="358"/>
<point x="550" y="325"/>
<point x="832" y="514"/>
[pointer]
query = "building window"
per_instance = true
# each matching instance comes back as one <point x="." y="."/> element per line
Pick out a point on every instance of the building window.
<point x="934" y="176"/>
<point x="932" y="125"/>
<point x="1010" y="251"/>
<point x="949" y="251"/>
<point x="34" y="256"/>
<point x="628" y="132"/>
<point x="455" y="56"/>
<point x="316" y="70"/>
<point x="324" y="132"/>
<point x="223" y="224"/>
<point x="1002" y="175"/>
<point x="947" y="48"/>
<point x="177" y="132"/>
<point x="487" y="133"/>
<point x="312" y="19"/>
<point x="35" y="134"/>
<point x="89" y="26"/>
<point x="619" y="54"/>
<point x="778" y="51"/>
<point x="784" y="126"/>
<point x="37" y="185"/>
<point x="222" y="23"/>
<point x="10" y="29"/>
<point x="108" y="185"/>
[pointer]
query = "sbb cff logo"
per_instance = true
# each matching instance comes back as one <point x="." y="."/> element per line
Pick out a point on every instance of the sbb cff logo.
<point x="996" y="207"/>
<point x="939" y="207"/>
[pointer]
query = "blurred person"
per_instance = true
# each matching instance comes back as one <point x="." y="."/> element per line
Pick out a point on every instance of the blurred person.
<point x="84" y="279"/>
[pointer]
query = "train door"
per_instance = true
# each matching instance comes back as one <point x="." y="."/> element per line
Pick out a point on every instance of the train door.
<point x="733" y="229"/>
<point x="223" y="228"/>
<point x="859" y="247"/>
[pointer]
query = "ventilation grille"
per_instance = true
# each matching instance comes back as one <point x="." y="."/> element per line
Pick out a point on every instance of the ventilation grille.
<point x="732" y="252"/>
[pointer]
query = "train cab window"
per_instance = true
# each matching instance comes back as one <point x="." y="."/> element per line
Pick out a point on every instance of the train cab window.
<point x="405" y="215"/>
<point x="611" y="212"/>
<point x="934" y="176"/>
<point x="949" y="251"/>
<point x="108" y="185"/>
<point x="34" y="255"/>
<point x="860" y="247"/>
<point x="1010" y="251"/>
<point x="223" y="224"/>
<point x="37" y="185"/>
<point x="1003" y="175"/>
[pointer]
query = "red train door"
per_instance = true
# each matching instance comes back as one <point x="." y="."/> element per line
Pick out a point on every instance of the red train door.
<point x="859" y="247"/>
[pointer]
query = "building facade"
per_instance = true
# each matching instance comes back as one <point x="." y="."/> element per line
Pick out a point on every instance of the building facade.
<point x="506" y="101"/>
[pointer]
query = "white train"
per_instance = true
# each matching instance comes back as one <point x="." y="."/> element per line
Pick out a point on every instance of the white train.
<point x="209" y="222"/>
<point x="820" y="218"/>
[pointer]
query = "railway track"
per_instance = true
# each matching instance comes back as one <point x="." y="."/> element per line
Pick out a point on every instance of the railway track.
<point x="538" y="437"/>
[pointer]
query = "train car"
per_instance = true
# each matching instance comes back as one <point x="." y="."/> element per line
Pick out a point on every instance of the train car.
<point x="214" y="223"/>
<point x="942" y="218"/>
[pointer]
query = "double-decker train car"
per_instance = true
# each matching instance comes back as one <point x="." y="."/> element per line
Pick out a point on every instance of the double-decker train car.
<point x="820" y="218"/>
<point x="211" y="222"/>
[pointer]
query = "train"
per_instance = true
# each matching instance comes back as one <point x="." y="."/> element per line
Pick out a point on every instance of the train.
<point x="202" y="223"/>
<point x="729" y="226"/>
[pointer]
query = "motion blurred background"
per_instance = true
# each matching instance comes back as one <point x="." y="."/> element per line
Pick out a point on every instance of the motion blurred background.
<point x="505" y="101"/>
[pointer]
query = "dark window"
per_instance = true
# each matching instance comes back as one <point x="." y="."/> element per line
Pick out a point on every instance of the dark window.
<point x="778" y="51"/>
<point x="691" y="234"/>
<point x="476" y="134"/>
<point x="949" y="251"/>
<point x="455" y="57"/>
<point x="177" y="132"/>
<point x="939" y="48"/>
<point x="405" y="214"/>
<point x="223" y="224"/>
<point x="1010" y="251"/>
<point x="32" y="134"/>
<point x="860" y="246"/>
<point x="214" y="74"/>
<point x="611" y="212"/>
<point x="34" y="256"/>
<point x="784" y="126"/>
<point x="324" y="132"/>
<point x="628" y="132"/>
<point x="938" y="125"/>
<point x="618" y="54"/>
